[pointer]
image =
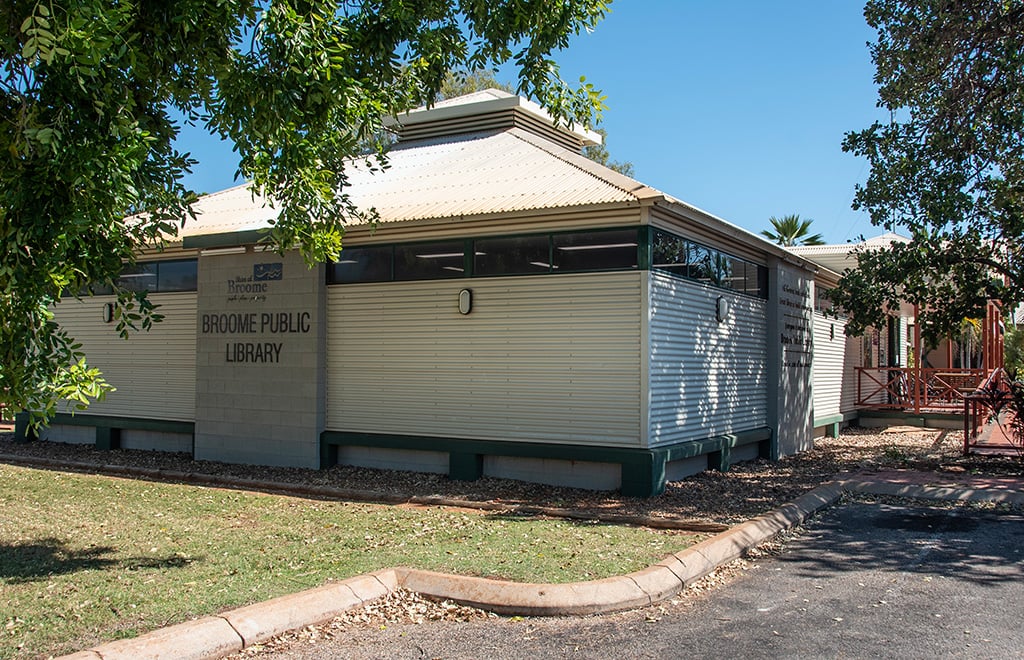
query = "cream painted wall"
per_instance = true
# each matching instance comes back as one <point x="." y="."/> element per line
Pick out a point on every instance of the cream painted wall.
<point x="552" y="359"/>
<point x="155" y="371"/>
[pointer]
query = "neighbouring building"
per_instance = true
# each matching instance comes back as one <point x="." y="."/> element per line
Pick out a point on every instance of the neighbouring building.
<point x="890" y="374"/>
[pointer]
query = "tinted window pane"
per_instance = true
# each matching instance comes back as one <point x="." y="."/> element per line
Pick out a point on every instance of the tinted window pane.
<point x="669" y="252"/>
<point x="721" y="268"/>
<point x="176" y="275"/>
<point x="821" y="300"/>
<point x="369" y="264"/>
<point x="762" y="281"/>
<point x="752" y="281"/>
<point x="512" y="256"/>
<point x="140" y="277"/>
<point x="700" y="263"/>
<point x="735" y="275"/>
<point x="429" y="261"/>
<point x="597" y="250"/>
<point x="97" y="290"/>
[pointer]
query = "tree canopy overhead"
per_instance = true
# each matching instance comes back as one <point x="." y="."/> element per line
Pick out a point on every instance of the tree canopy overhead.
<point x="87" y="88"/>
<point x="948" y="169"/>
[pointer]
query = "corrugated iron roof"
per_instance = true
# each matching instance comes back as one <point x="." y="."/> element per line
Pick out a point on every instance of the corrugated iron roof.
<point x="839" y="256"/>
<point x="229" y="211"/>
<point x="459" y="176"/>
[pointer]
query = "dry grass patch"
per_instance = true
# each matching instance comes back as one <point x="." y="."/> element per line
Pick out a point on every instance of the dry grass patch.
<point x="85" y="558"/>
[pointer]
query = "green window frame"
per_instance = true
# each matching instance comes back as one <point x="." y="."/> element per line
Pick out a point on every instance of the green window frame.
<point x="685" y="259"/>
<point x="166" y="276"/>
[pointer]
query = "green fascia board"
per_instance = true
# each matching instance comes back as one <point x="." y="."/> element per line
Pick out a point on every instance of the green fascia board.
<point x="832" y="419"/>
<point x="903" y="415"/>
<point x="693" y="448"/>
<point x="485" y="447"/>
<point x="595" y="454"/>
<point x="107" y="421"/>
<point x="229" y="239"/>
<point x="643" y="470"/>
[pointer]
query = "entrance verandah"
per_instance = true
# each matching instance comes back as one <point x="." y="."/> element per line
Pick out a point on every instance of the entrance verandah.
<point x="957" y="390"/>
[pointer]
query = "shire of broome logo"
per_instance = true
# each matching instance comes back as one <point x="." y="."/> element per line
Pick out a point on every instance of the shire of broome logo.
<point x="267" y="272"/>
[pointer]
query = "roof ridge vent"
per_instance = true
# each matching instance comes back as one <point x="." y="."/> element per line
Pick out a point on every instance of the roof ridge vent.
<point x="487" y="110"/>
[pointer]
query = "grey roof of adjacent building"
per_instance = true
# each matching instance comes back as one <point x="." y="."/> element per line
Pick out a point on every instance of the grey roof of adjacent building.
<point x="839" y="257"/>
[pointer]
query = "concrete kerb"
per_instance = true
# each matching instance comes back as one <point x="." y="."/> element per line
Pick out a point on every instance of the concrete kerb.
<point x="945" y="493"/>
<point x="215" y="636"/>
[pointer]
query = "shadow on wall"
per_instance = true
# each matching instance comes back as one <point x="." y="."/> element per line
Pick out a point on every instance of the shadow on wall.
<point x="707" y="377"/>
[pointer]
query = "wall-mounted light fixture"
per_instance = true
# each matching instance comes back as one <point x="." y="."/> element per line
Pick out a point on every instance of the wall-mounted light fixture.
<point x="722" y="309"/>
<point x="108" y="312"/>
<point x="832" y="331"/>
<point x="465" y="301"/>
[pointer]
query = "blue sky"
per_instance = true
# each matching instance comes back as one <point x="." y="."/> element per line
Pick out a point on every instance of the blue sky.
<point x="737" y="107"/>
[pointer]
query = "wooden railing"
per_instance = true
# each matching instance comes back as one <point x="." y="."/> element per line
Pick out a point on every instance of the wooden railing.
<point x="916" y="389"/>
<point x="988" y="405"/>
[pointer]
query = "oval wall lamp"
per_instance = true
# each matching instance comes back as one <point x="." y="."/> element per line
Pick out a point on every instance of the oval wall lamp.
<point x="108" y="312"/>
<point x="722" y="309"/>
<point x="465" y="301"/>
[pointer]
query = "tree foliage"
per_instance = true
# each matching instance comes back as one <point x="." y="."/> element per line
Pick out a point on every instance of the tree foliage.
<point x="599" y="154"/>
<point x="948" y="169"/>
<point x="87" y="91"/>
<point x="790" y="230"/>
<point x="460" y="83"/>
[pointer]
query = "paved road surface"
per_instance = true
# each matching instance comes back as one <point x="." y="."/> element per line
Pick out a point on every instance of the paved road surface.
<point x="866" y="580"/>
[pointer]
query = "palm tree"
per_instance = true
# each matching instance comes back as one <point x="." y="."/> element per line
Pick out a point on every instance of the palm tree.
<point x="790" y="230"/>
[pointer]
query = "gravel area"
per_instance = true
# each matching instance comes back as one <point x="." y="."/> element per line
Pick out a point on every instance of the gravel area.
<point x="745" y="491"/>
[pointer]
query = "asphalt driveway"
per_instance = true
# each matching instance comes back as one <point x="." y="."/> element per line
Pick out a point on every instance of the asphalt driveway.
<point x="864" y="580"/>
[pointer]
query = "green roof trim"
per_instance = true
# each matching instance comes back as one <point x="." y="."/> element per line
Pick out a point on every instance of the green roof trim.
<point x="229" y="239"/>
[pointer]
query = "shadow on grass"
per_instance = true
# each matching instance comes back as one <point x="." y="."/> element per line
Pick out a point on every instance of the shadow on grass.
<point x="29" y="561"/>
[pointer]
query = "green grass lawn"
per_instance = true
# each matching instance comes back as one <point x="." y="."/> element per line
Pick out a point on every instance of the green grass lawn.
<point x="87" y="558"/>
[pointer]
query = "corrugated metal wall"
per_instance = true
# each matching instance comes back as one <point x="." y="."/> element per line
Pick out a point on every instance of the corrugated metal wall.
<point x="706" y="378"/>
<point x="541" y="359"/>
<point x="833" y="374"/>
<point x="154" y="372"/>
<point x="854" y="358"/>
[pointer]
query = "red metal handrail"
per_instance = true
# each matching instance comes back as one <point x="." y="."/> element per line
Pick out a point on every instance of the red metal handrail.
<point x="986" y="401"/>
<point x="915" y="389"/>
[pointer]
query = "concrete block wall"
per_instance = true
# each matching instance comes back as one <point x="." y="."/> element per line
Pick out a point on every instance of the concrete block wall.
<point x="259" y="353"/>
<point x="790" y="357"/>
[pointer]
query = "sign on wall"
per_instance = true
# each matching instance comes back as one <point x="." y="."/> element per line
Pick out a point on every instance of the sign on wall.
<point x="242" y="329"/>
